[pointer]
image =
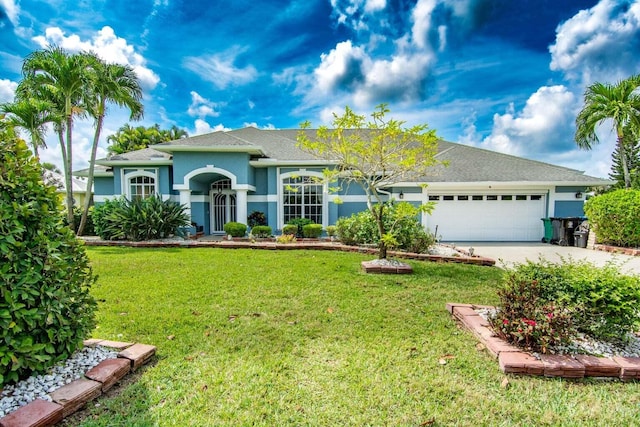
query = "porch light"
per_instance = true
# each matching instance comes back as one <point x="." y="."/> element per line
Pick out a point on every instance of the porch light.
<point x="401" y="195"/>
<point x="579" y="195"/>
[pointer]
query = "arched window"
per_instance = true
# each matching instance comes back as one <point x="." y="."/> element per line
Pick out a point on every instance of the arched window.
<point x="140" y="185"/>
<point x="302" y="198"/>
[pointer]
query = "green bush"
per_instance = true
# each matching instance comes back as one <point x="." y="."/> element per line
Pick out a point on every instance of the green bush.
<point x="602" y="302"/>
<point x="312" y="231"/>
<point x="77" y="216"/>
<point x="235" y="229"/>
<point x="404" y="230"/>
<point x="300" y="222"/>
<point x="46" y="309"/>
<point x="290" y="229"/>
<point x="139" y="219"/>
<point x="261" y="231"/>
<point x="615" y="217"/>
<point x="256" y="218"/>
<point x="605" y="303"/>
<point x="286" y="238"/>
<point x="331" y="230"/>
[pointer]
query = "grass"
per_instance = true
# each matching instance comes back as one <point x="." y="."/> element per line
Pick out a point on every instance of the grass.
<point x="304" y="338"/>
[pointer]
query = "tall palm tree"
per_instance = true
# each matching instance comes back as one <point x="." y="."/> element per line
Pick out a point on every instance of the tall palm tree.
<point x="619" y="103"/>
<point x="31" y="115"/>
<point x="60" y="78"/>
<point x="110" y="83"/>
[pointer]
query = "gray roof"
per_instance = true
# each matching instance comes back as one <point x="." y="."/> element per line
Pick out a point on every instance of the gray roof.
<point x="465" y="163"/>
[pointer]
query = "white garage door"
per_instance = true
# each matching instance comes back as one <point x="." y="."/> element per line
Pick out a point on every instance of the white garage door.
<point x="488" y="217"/>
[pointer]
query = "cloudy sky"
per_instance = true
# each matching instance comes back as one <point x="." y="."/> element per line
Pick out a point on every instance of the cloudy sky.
<point x="498" y="74"/>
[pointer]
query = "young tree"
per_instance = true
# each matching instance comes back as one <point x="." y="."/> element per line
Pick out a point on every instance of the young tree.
<point x="632" y="157"/>
<point x="619" y="103"/>
<point x="373" y="154"/>
<point x="31" y="115"/>
<point x="110" y="83"/>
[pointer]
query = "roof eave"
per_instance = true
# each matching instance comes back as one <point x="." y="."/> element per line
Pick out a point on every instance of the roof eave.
<point x="155" y="162"/>
<point x="264" y="163"/>
<point x="209" y="149"/>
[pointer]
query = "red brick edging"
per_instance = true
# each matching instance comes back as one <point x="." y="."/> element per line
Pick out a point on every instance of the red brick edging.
<point x="308" y="245"/>
<point x="616" y="249"/>
<point x="513" y="360"/>
<point x="73" y="396"/>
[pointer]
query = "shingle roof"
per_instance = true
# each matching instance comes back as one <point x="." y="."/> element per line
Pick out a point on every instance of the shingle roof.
<point x="466" y="163"/>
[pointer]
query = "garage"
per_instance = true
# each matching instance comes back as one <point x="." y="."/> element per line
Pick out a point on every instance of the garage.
<point x="487" y="217"/>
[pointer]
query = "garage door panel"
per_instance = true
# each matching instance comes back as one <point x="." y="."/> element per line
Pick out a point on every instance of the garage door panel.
<point x="488" y="220"/>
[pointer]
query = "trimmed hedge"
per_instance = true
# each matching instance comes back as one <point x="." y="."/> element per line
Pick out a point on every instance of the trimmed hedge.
<point x="261" y="231"/>
<point x="235" y="229"/>
<point x="46" y="309"/>
<point x="312" y="231"/>
<point x="290" y="229"/>
<point x="615" y="217"/>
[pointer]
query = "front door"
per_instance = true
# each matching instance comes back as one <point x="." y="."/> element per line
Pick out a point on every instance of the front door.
<point x="223" y="205"/>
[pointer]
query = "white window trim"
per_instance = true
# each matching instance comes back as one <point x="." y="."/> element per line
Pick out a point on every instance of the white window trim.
<point x="302" y="172"/>
<point x="127" y="177"/>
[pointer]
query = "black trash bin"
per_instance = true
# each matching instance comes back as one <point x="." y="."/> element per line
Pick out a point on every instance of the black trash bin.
<point x="580" y="238"/>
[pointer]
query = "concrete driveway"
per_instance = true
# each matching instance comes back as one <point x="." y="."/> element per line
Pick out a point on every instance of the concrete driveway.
<point x="506" y="253"/>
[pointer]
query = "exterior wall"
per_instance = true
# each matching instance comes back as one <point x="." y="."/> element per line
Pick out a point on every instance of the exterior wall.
<point x="235" y="163"/>
<point x="569" y="208"/>
<point x="102" y="186"/>
<point x="566" y="203"/>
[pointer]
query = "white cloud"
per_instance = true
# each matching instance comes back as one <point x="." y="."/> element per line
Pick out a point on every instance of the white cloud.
<point x="7" y="90"/>
<point x="201" y="107"/>
<point x="599" y="44"/>
<point x="12" y="10"/>
<point x="341" y="67"/>
<point x="371" y="6"/>
<point x="541" y="128"/>
<point x="107" y="46"/>
<point x="220" y="70"/>
<point x="202" y="127"/>
<point x="422" y="22"/>
<point x="268" y="126"/>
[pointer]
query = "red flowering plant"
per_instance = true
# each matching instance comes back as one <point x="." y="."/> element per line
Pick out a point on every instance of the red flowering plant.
<point x="527" y="319"/>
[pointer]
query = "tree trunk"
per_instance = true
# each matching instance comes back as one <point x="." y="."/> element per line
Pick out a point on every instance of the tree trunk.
<point x="623" y="156"/>
<point x="379" y="217"/>
<point x="67" y="177"/>
<point x="92" y="163"/>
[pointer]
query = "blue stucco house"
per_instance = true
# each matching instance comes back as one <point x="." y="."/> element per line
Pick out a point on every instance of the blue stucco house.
<point x="226" y="175"/>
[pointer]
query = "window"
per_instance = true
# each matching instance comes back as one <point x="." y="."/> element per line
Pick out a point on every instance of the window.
<point x="141" y="187"/>
<point x="302" y="198"/>
<point x="434" y="198"/>
<point x="507" y="197"/>
<point x="536" y="197"/>
<point x="521" y="197"/>
<point x="492" y="197"/>
<point x="463" y="197"/>
<point x="477" y="197"/>
<point x="447" y="197"/>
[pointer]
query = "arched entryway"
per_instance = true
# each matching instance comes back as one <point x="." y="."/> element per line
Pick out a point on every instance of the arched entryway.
<point x="223" y="204"/>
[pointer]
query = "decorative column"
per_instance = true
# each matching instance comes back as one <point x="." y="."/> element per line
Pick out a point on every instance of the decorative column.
<point x="241" y="206"/>
<point x="185" y="200"/>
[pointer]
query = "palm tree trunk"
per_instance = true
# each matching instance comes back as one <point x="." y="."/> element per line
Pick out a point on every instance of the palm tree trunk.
<point x="67" y="176"/>
<point x="623" y="156"/>
<point x="92" y="163"/>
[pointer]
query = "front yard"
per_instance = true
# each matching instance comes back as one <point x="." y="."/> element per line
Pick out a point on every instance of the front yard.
<point x="305" y="338"/>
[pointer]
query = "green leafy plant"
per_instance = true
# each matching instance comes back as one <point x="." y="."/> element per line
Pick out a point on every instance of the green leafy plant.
<point x="46" y="309"/>
<point x="331" y="230"/>
<point x="139" y="219"/>
<point x="286" y="238"/>
<point x="615" y="217"/>
<point x="235" y="229"/>
<point x="312" y="231"/>
<point x="300" y="223"/>
<point x="256" y="218"/>
<point x="401" y="220"/>
<point x="528" y="319"/>
<point x="261" y="231"/>
<point x="290" y="229"/>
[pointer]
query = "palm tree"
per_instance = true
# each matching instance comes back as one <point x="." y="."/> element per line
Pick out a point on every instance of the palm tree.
<point x="61" y="79"/>
<point x="110" y="83"/>
<point x="31" y="115"/>
<point x="619" y="103"/>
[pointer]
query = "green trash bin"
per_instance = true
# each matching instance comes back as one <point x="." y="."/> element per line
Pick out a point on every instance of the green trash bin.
<point x="548" y="230"/>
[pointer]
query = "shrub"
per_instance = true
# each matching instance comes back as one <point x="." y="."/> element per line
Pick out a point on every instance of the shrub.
<point x="261" y="231"/>
<point x="256" y="218"/>
<point x="331" y="230"/>
<point x="46" y="309"/>
<point x="404" y="230"/>
<point x="139" y="219"/>
<point x="312" y="231"/>
<point x="526" y="318"/>
<point x="77" y="216"/>
<point x="235" y="229"/>
<point x="300" y="222"/>
<point x="290" y="229"/>
<point x="286" y="238"/>
<point x="605" y="303"/>
<point x="615" y="217"/>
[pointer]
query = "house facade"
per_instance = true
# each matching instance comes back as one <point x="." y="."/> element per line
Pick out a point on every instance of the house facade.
<point x="225" y="176"/>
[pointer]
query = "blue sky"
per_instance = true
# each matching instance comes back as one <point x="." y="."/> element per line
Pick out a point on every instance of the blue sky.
<point x="498" y="74"/>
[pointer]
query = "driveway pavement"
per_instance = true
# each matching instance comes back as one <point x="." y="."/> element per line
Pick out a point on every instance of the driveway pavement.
<point x="506" y="253"/>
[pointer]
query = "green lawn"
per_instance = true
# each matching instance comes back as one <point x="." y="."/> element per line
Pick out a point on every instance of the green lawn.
<point x="304" y="338"/>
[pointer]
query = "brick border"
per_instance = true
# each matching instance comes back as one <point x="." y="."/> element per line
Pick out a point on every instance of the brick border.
<point x="317" y="245"/>
<point x="73" y="396"/>
<point x="514" y="360"/>
<point x="616" y="249"/>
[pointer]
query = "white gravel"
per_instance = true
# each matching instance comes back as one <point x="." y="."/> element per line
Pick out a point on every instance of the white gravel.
<point x="587" y="345"/>
<point x="39" y="386"/>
